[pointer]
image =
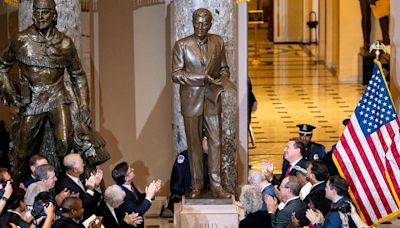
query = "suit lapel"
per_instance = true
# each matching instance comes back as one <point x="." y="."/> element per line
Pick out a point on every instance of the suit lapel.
<point x="130" y="194"/>
<point x="196" y="51"/>
<point x="75" y="186"/>
<point x="210" y="50"/>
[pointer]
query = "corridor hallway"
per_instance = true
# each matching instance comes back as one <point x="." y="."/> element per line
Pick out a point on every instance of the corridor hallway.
<point x="291" y="89"/>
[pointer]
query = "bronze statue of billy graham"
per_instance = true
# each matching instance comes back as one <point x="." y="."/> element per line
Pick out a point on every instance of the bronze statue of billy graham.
<point x="199" y="66"/>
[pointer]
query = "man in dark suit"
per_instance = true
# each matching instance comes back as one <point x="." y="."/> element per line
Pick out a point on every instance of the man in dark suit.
<point x="15" y="208"/>
<point x="317" y="172"/>
<point x="293" y="156"/>
<point x="199" y="66"/>
<point x="336" y="190"/>
<point x="291" y="203"/>
<point x="134" y="200"/>
<point x="73" y="164"/>
<point x="35" y="161"/>
<point x="113" y="198"/>
<point x="72" y="214"/>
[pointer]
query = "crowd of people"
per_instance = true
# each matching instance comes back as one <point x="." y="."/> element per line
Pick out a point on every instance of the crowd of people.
<point x="309" y="193"/>
<point x="47" y="199"/>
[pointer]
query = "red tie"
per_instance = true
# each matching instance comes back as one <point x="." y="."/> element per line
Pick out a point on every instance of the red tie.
<point x="288" y="170"/>
<point x="134" y="193"/>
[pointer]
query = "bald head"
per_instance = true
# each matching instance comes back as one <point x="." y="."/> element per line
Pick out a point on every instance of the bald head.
<point x="73" y="163"/>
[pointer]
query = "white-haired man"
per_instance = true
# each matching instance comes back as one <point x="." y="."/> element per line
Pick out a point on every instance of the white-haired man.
<point x="113" y="198"/>
<point x="257" y="179"/>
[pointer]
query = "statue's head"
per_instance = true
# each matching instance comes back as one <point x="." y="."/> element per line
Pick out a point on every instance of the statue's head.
<point x="202" y="19"/>
<point x="44" y="13"/>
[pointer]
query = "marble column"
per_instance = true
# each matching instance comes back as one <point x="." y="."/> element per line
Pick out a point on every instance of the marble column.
<point x="68" y="20"/>
<point x="224" y="24"/>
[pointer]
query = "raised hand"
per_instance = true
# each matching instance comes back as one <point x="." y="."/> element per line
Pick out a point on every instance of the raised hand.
<point x="90" y="183"/>
<point x="133" y="219"/>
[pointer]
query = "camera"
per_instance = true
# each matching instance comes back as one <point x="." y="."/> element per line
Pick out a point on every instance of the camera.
<point x="38" y="209"/>
<point x="343" y="207"/>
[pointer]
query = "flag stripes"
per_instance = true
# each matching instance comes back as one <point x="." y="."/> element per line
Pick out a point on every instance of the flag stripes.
<point x="367" y="154"/>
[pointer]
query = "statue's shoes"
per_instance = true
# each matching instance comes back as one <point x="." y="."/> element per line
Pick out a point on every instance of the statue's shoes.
<point x="220" y="193"/>
<point x="195" y="193"/>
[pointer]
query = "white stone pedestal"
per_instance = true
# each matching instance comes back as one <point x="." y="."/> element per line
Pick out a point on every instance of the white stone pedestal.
<point x="206" y="213"/>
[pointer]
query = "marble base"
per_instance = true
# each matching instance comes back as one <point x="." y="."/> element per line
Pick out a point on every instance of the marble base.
<point x="206" y="213"/>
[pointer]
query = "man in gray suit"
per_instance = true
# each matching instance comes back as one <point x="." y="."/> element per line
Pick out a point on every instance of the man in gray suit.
<point x="199" y="66"/>
<point x="291" y="203"/>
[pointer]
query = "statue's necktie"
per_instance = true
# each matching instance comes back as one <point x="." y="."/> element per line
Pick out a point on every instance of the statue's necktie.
<point x="203" y="50"/>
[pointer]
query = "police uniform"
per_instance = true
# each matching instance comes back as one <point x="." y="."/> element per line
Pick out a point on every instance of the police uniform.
<point x="313" y="151"/>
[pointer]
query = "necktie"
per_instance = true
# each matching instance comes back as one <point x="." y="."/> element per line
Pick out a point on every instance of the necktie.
<point x="288" y="170"/>
<point x="81" y="185"/>
<point x="203" y="51"/>
<point x="134" y="192"/>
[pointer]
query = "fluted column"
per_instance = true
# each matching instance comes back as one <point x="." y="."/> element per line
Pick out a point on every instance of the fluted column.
<point x="224" y="24"/>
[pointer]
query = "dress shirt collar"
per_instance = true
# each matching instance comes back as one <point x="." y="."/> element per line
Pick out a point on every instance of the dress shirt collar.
<point x="317" y="184"/>
<point x="283" y="205"/>
<point x="295" y="163"/>
<point x="76" y="180"/>
<point x="128" y="186"/>
<point x="112" y="212"/>
<point x="265" y="186"/>
<point x="202" y="42"/>
<point x="337" y="199"/>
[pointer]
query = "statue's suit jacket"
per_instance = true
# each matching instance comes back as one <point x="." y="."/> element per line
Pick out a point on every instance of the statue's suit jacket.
<point x="190" y="70"/>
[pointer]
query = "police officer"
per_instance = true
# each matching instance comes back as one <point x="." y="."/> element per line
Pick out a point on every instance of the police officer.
<point x="314" y="151"/>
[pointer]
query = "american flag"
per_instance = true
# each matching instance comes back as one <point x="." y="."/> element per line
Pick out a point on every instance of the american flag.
<point x="368" y="153"/>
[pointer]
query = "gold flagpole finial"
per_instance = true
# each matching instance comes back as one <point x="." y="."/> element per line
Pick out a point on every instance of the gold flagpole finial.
<point x="377" y="47"/>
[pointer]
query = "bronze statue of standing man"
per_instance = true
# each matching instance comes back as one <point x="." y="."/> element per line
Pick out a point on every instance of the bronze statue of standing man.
<point x="199" y="66"/>
<point x="43" y="54"/>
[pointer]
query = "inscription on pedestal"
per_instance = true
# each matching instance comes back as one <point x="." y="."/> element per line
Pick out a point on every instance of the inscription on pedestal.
<point x="209" y="214"/>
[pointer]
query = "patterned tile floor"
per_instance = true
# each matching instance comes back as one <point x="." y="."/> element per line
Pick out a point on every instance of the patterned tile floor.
<point x="291" y="88"/>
